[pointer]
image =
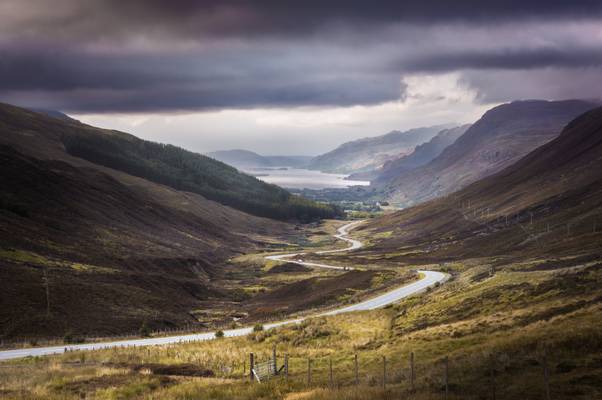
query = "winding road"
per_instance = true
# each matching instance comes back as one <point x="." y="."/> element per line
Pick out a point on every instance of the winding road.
<point x="429" y="278"/>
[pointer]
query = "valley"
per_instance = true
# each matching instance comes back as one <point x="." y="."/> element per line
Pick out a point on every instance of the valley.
<point x="268" y="200"/>
<point x="427" y="280"/>
<point x="523" y="265"/>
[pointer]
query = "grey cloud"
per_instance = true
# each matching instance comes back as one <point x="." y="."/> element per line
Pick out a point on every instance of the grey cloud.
<point x="505" y="59"/>
<point x="190" y="18"/>
<point x="538" y="83"/>
<point x="83" y="82"/>
<point x="109" y="55"/>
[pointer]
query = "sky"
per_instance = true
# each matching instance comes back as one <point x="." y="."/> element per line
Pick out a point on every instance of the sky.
<point x="292" y="77"/>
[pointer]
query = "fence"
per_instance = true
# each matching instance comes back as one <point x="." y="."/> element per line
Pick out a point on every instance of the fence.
<point x="263" y="371"/>
<point x="494" y="376"/>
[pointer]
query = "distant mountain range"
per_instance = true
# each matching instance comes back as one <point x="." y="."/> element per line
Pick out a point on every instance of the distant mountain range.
<point x="422" y="154"/>
<point x="501" y="137"/>
<point x="244" y="159"/>
<point x="373" y="152"/>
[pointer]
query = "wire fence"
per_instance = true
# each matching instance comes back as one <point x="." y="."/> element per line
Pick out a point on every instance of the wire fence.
<point x="487" y="376"/>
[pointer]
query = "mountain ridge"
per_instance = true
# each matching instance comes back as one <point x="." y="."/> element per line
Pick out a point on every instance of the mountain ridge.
<point x="499" y="138"/>
<point x="550" y="200"/>
<point x="240" y="158"/>
<point x="422" y="154"/>
<point x="369" y="153"/>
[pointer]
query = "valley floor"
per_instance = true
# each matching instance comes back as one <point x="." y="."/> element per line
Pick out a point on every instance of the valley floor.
<point x="521" y="329"/>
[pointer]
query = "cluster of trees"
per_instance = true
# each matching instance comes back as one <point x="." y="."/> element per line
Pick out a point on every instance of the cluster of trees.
<point x="184" y="170"/>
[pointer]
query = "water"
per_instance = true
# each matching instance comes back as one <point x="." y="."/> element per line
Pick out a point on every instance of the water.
<point x="296" y="178"/>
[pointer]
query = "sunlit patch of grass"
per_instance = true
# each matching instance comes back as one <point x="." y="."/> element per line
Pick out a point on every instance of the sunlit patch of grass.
<point x="28" y="257"/>
<point x="22" y="256"/>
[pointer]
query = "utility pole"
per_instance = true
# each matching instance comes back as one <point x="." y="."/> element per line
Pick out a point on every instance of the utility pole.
<point x="47" y="287"/>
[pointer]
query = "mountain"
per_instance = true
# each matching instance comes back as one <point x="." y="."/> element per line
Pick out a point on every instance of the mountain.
<point x="164" y="164"/>
<point x="501" y="137"/>
<point x="244" y="159"/>
<point x="96" y="232"/>
<point x="421" y="155"/>
<point x="371" y="153"/>
<point x="53" y="113"/>
<point x="549" y="204"/>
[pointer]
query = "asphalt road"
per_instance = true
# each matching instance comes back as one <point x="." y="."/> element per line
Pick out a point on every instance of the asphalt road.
<point x="429" y="279"/>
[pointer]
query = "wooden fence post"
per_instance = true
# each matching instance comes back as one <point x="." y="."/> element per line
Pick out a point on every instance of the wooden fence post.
<point x="274" y="363"/>
<point x="546" y="375"/>
<point x="330" y="380"/>
<point x="308" y="371"/>
<point x="446" y="376"/>
<point x="251" y="366"/>
<point x="412" y="371"/>
<point x="357" y="372"/>
<point x="286" y="367"/>
<point x="384" y="372"/>
<point x="492" y="377"/>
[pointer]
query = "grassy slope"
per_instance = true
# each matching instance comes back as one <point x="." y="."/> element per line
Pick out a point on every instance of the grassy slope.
<point x="107" y="247"/>
<point x="108" y="255"/>
<point x="159" y="163"/>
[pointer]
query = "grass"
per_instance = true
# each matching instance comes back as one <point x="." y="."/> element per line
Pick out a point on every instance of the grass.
<point x="29" y="257"/>
<point x="491" y="316"/>
<point x="448" y="322"/>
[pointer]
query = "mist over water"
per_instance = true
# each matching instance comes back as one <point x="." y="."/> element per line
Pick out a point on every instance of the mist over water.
<point x="297" y="178"/>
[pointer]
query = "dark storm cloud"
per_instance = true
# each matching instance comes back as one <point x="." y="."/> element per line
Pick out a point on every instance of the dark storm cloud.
<point x="109" y="55"/>
<point x="218" y="17"/>
<point x="504" y="59"/>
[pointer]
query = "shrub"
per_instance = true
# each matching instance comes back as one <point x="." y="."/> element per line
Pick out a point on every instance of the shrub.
<point x="257" y="328"/>
<point x="144" y="330"/>
<point x="219" y="334"/>
<point x="72" y="338"/>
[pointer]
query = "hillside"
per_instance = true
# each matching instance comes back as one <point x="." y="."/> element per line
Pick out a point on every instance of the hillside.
<point x="548" y="203"/>
<point x="77" y="242"/>
<point x="421" y="155"/>
<point x="164" y="164"/>
<point x="500" y="138"/>
<point x="53" y="113"/>
<point x="244" y="159"/>
<point x="370" y="153"/>
<point x="91" y="250"/>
